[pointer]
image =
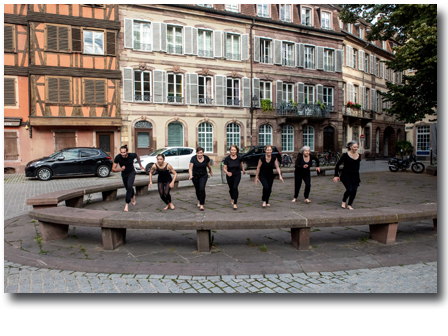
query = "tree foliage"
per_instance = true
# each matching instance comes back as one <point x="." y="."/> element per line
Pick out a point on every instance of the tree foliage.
<point x="414" y="28"/>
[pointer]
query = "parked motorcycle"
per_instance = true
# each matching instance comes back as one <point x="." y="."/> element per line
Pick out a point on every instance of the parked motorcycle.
<point x="405" y="163"/>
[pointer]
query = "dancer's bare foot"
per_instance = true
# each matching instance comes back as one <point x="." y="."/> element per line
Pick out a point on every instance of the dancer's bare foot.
<point x="343" y="205"/>
<point x="201" y="208"/>
<point x="268" y="205"/>
<point x="133" y="201"/>
<point x="166" y="208"/>
<point x="198" y="205"/>
<point x="235" y="207"/>
<point x="231" y="202"/>
<point x="307" y="201"/>
<point x="126" y="208"/>
<point x="294" y="200"/>
<point x="350" y="207"/>
<point x="171" y="206"/>
<point x="264" y="205"/>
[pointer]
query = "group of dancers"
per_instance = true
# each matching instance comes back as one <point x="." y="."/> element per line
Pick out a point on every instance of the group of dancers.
<point x="233" y="167"/>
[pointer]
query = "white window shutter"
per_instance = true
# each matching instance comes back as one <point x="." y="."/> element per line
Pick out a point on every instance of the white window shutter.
<point x="188" y="40"/>
<point x="187" y="88"/>
<point x="246" y="92"/>
<point x="128" y="26"/>
<point x="217" y="43"/>
<point x="381" y="64"/>
<point x="278" y="52"/>
<point x="256" y="89"/>
<point x="194" y="97"/>
<point x="361" y="60"/>
<point x="163" y="37"/>
<point x="364" y="100"/>
<point x="159" y="86"/>
<point x="244" y="47"/>
<point x="320" y="93"/>
<point x="374" y="65"/>
<point x="128" y="84"/>
<point x="347" y="55"/>
<point x="220" y="90"/>
<point x="300" y="93"/>
<point x="371" y="64"/>
<point x="320" y="58"/>
<point x="224" y="44"/>
<point x="297" y="54"/>
<point x="361" y="96"/>
<point x="195" y="41"/>
<point x="338" y="61"/>
<point x="279" y="91"/>
<point x="301" y="55"/>
<point x="156" y="27"/>
<point x="372" y="99"/>
<point x="256" y="49"/>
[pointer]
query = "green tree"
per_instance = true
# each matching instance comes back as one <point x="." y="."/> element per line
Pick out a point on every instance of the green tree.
<point x="414" y="27"/>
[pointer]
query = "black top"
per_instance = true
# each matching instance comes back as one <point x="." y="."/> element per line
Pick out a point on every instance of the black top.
<point x="199" y="168"/>
<point x="127" y="162"/>
<point x="164" y="174"/>
<point x="350" y="173"/>
<point x="300" y="162"/>
<point x="233" y="166"/>
<point x="267" y="168"/>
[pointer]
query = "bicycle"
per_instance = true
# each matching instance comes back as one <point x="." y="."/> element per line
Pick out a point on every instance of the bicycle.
<point x="287" y="160"/>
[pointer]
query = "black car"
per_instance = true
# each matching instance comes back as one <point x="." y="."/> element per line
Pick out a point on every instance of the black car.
<point x="70" y="162"/>
<point x="251" y="155"/>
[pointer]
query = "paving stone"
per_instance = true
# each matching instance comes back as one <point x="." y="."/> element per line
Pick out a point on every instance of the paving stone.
<point x="191" y="290"/>
<point x="243" y="276"/>
<point x="155" y="276"/>
<point x="213" y="278"/>
<point x="216" y="290"/>
<point x="203" y="290"/>
<point x="184" y="277"/>
<point x="240" y="289"/>
<point x="267" y="290"/>
<point x="294" y="290"/>
<point x="229" y="290"/>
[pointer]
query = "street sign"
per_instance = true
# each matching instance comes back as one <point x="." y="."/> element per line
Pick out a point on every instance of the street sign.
<point x="362" y="137"/>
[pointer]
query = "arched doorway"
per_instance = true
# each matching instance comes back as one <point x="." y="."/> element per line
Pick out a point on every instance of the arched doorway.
<point x="329" y="138"/>
<point x="388" y="144"/>
<point x="143" y="137"/>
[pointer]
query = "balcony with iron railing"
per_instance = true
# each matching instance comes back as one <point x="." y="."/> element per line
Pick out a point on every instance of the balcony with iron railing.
<point x="290" y="109"/>
<point x="174" y="49"/>
<point x="357" y="112"/>
<point x="328" y="67"/>
<point x="233" y="102"/>
<point x="205" y="53"/>
<point x="288" y="62"/>
<point x="175" y="100"/>
<point x="233" y="57"/>
<point x="142" y="98"/>
<point x="205" y="101"/>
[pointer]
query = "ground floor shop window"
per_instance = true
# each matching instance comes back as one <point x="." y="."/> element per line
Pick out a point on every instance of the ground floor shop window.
<point x="287" y="138"/>
<point x="205" y="136"/>
<point x="308" y="136"/>
<point x="265" y="135"/>
<point x="233" y="135"/>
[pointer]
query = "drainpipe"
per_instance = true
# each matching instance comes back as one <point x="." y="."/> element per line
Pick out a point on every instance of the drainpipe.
<point x="29" y="78"/>
<point x="251" y="80"/>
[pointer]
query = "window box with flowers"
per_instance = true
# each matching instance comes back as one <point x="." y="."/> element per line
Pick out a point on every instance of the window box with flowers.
<point x="353" y="105"/>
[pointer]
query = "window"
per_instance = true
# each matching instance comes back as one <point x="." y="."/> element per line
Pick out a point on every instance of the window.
<point x="355" y="94"/>
<point x="341" y="24"/>
<point x="10" y="98"/>
<point x="326" y="19"/>
<point x="263" y="10"/>
<point x="9" y="38"/>
<point x="423" y="137"/>
<point x="142" y="86"/>
<point x="355" y="133"/>
<point x="377" y="106"/>
<point x="361" y="33"/>
<point x="265" y="90"/>
<point x="205" y="48"/>
<point x="232" y="8"/>
<point x="309" y="57"/>
<point x="288" y="54"/>
<point x="205" y="90"/>
<point x="367" y="137"/>
<point x="328" y="96"/>
<point x="58" y="89"/>
<point x="175" y="88"/>
<point x="233" y="92"/>
<point x="366" y="64"/>
<point x="285" y="13"/>
<point x="357" y="30"/>
<point x="185" y="151"/>
<point x="207" y="5"/>
<point x="329" y="60"/>
<point x="175" y="134"/>
<point x="89" y="152"/>
<point x="287" y="138"/>
<point x="309" y="94"/>
<point x="288" y="92"/>
<point x="306" y="16"/>
<point x="142" y="36"/>
<point x="265" y="135"/>
<point x="349" y="28"/>
<point x="57" y="38"/>
<point x="354" y="58"/>
<point x="94" y="91"/>
<point x="383" y="45"/>
<point x="174" y="39"/>
<point x="377" y="68"/>
<point x="343" y="94"/>
<point x="265" y="51"/>
<point x="308" y="136"/>
<point x="233" y="135"/>
<point x="205" y="137"/>
<point x="233" y="47"/>
<point x="366" y="100"/>
<point x="93" y="42"/>
<point x="11" y="148"/>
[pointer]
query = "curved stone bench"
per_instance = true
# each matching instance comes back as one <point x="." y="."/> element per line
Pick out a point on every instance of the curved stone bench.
<point x="75" y="197"/>
<point x="383" y="222"/>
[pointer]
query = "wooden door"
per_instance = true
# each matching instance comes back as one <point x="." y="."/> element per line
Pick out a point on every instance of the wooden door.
<point x="328" y="138"/>
<point x="64" y="140"/>
<point x="11" y="150"/>
<point x="143" y="141"/>
<point x="105" y="141"/>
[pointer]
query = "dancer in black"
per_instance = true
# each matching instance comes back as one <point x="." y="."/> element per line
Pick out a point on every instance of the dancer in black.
<point x="126" y="161"/>
<point x="350" y="174"/>
<point x="266" y="165"/>
<point x="164" y="181"/>
<point x="302" y="172"/>
<point x="232" y="167"/>
<point x="198" y="173"/>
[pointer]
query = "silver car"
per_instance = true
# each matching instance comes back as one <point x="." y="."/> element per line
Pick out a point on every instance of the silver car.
<point x="178" y="157"/>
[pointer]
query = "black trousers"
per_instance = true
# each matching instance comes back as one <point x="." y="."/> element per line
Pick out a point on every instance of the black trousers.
<point x="128" y="181"/>
<point x="267" y="182"/>
<point x="350" y="192"/>
<point x="233" y="182"/>
<point x="164" y="192"/>
<point x="298" y="177"/>
<point x="199" y="184"/>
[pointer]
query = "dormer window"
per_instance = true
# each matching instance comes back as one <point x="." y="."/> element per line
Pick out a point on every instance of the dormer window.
<point x="326" y="19"/>
<point x="306" y="16"/>
<point x="285" y="13"/>
<point x="263" y="10"/>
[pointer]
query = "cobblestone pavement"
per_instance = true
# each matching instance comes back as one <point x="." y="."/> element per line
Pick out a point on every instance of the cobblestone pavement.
<point x="420" y="278"/>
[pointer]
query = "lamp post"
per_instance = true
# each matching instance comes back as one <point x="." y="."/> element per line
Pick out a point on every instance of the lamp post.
<point x="253" y="104"/>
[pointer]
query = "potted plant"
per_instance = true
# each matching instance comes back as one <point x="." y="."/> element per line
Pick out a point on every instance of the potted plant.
<point x="266" y="106"/>
<point x="322" y="105"/>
